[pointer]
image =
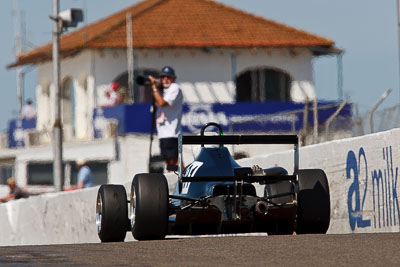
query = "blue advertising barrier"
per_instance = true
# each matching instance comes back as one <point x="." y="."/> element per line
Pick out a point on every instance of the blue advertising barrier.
<point x="16" y="129"/>
<point x="238" y="117"/>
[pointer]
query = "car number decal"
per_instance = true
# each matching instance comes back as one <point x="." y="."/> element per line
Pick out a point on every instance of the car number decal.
<point x="185" y="187"/>
<point x="192" y="168"/>
<point x="190" y="172"/>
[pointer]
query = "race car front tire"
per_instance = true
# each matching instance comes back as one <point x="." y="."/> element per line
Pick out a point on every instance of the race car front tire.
<point x="112" y="213"/>
<point x="149" y="206"/>
<point x="313" y="200"/>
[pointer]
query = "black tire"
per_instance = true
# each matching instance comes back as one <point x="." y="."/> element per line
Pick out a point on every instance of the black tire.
<point x="313" y="200"/>
<point x="112" y="213"/>
<point x="149" y="206"/>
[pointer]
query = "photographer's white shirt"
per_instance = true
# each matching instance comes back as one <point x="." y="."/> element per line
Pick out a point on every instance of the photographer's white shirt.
<point x="169" y="117"/>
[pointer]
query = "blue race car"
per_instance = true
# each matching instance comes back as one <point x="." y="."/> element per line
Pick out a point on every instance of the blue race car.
<point x="214" y="195"/>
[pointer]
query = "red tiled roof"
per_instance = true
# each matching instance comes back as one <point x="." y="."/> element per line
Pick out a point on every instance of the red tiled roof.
<point x="179" y="24"/>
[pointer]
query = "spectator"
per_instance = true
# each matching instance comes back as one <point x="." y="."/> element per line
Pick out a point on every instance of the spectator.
<point x="15" y="191"/>
<point x="168" y="100"/>
<point x="84" y="177"/>
<point x="113" y="96"/>
<point x="28" y="111"/>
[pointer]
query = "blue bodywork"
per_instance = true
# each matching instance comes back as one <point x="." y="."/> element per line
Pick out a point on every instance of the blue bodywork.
<point x="210" y="162"/>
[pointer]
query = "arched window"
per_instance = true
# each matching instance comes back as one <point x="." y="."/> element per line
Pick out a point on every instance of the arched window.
<point x="68" y="105"/>
<point x="142" y="94"/>
<point x="263" y="84"/>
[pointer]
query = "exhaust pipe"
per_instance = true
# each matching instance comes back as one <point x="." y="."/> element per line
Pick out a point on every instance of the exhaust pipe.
<point x="262" y="207"/>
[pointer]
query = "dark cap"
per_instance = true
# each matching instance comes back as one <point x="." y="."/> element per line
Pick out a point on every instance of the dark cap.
<point x="168" y="71"/>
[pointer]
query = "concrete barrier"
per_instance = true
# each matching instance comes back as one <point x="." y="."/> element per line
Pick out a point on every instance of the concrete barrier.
<point x="53" y="218"/>
<point x="362" y="174"/>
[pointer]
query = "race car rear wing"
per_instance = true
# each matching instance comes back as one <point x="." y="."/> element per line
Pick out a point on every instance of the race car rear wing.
<point x="239" y="139"/>
<point x="249" y="179"/>
<point x="221" y="139"/>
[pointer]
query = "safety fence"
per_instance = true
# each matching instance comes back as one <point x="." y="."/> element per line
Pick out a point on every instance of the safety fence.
<point x="381" y="120"/>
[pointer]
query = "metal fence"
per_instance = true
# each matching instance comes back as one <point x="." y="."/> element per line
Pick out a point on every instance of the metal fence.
<point x="381" y="120"/>
<point x="338" y="125"/>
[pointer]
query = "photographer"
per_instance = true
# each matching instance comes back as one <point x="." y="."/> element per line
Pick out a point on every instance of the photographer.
<point x="168" y="100"/>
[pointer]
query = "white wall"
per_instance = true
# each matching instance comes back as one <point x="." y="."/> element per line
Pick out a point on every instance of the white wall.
<point x="352" y="166"/>
<point x="54" y="218"/>
<point x="45" y="93"/>
<point x="298" y="66"/>
<point x="205" y="77"/>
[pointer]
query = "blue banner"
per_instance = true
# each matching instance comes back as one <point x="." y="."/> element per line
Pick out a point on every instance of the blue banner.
<point x="283" y="117"/>
<point x="239" y="117"/>
<point x="16" y="131"/>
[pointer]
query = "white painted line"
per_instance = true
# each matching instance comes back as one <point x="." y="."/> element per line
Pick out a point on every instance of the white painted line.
<point x="219" y="235"/>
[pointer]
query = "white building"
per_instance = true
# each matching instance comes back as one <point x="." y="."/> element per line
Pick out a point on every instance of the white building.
<point x="220" y="55"/>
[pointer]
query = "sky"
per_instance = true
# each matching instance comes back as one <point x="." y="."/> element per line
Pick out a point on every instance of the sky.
<point x="365" y="29"/>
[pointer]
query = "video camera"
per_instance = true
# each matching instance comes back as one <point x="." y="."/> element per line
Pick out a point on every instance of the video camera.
<point x="143" y="80"/>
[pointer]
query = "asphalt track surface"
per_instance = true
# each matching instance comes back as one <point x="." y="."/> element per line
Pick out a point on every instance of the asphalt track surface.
<point x="300" y="250"/>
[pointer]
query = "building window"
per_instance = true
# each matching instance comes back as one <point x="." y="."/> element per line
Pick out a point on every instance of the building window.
<point x="6" y="171"/>
<point x="142" y="94"/>
<point x="42" y="173"/>
<point x="262" y="84"/>
<point x="99" y="172"/>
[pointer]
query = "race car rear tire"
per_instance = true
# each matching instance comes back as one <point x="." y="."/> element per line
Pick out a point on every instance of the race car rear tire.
<point x="112" y="213"/>
<point x="149" y="206"/>
<point x="313" y="200"/>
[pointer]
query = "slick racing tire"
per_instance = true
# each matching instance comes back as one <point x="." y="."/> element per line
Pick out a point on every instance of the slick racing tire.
<point x="149" y="206"/>
<point x="112" y="213"/>
<point x="313" y="200"/>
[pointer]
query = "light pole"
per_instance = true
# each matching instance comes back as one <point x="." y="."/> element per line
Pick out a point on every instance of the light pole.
<point x="398" y="34"/>
<point x="18" y="49"/>
<point x="65" y="19"/>
<point x="58" y="173"/>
